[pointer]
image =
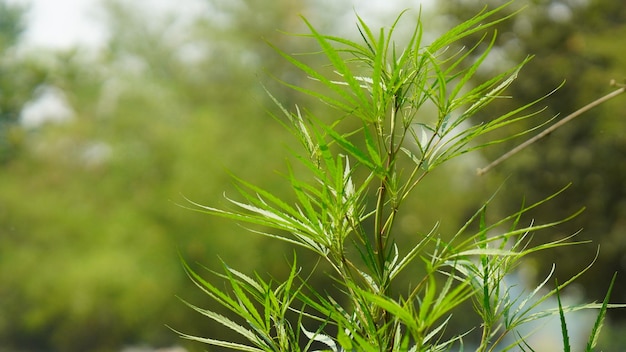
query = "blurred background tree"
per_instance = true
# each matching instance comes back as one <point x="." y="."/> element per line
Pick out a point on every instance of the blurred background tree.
<point x="90" y="229"/>
<point x="89" y="226"/>
<point x="18" y="79"/>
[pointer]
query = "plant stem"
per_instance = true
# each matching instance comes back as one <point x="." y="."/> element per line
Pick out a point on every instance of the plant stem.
<point x="381" y="226"/>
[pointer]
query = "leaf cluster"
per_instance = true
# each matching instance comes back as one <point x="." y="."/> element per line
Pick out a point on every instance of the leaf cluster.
<point x="390" y="92"/>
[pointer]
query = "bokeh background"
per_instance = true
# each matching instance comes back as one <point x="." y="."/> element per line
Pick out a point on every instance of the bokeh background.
<point x="101" y="141"/>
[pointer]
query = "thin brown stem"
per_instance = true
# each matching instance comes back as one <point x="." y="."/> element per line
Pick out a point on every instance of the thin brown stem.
<point x="551" y="129"/>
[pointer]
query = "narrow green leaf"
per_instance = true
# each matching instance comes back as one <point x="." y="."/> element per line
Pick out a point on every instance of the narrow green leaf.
<point x="564" y="334"/>
<point x="367" y="35"/>
<point x="359" y="100"/>
<point x="475" y="24"/>
<point x="220" y="343"/>
<point x="353" y="150"/>
<point x="372" y="147"/>
<point x="597" y="326"/>
<point x="397" y="310"/>
<point x="344" y="340"/>
<point x="428" y="298"/>
<point x="347" y="105"/>
<point x="378" y="83"/>
<point x="253" y="317"/>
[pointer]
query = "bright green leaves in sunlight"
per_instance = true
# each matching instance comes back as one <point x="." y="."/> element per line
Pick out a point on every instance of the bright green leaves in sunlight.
<point x="401" y="111"/>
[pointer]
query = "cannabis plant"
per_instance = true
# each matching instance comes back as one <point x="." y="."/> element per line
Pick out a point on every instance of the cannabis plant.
<point x="400" y="113"/>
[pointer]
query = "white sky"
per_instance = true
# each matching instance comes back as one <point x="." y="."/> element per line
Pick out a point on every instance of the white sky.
<point x="66" y="23"/>
<point x="62" y="23"/>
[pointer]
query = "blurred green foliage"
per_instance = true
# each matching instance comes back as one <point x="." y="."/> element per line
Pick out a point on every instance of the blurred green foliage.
<point x="18" y="79"/>
<point x="88" y="219"/>
<point x="89" y="222"/>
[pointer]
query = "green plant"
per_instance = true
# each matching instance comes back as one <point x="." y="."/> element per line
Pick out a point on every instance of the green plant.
<point x="346" y="206"/>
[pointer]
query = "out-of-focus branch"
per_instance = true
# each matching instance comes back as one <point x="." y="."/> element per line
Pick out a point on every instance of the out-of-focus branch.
<point x="558" y="124"/>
